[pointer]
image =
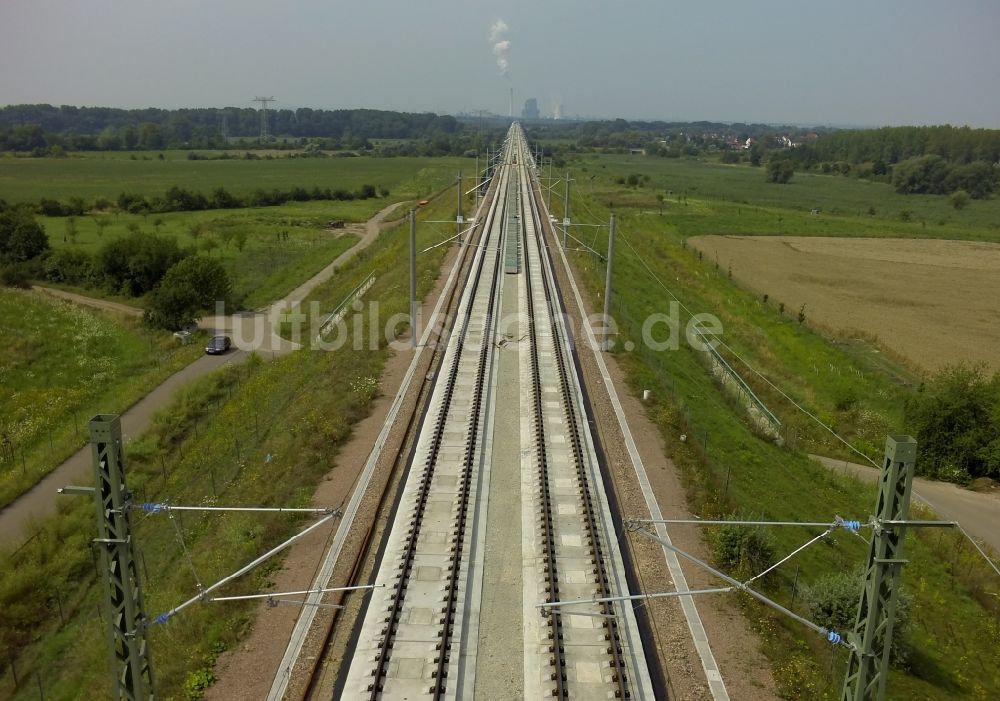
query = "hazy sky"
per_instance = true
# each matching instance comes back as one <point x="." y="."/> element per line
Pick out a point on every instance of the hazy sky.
<point x="851" y="62"/>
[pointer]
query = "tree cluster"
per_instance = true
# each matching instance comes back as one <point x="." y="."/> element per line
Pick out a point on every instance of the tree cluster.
<point x="891" y="145"/>
<point x="933" y="175"/>
<point x="21" y="237"/>
<point x="916" y="160"/>
<point x="134" y="264"/>
<point x="779" y="170"/>
<point x="956" y="420"/>
<point x="194" y="284"/>
<point x="180" y="283"/>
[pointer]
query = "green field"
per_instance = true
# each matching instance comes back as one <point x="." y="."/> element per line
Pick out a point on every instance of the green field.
<point x="107" y="175"/>
<point x="729" y="467"/>
<point x="59" y="365"/>
<point x="703" y="197"/>
<point x="266" y="266"/>
<point x="266" y="250"/>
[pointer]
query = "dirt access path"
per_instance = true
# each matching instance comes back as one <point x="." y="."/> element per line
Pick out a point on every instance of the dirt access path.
<point x="978" y="513"/>
<point x="102" y="304"/>
<point x="40" y="500"/>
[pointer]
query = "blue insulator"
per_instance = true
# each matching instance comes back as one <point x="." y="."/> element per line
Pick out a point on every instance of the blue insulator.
<point x="852" y="525"/>
<point x="162" y="618"/>
<point x="833" y="637"/>
<point x="152" y="507"/>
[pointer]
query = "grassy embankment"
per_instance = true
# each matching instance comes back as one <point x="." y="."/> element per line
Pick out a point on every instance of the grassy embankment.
<point x="728" y="466"/>
<point x="281" y="246"/>
<point x="208" y="446"/>
<point x="59" y="365"/>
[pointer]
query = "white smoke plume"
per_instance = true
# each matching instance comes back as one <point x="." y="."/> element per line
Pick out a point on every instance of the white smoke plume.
<point x="497" y="30"/>
<point x="501" y="46"/>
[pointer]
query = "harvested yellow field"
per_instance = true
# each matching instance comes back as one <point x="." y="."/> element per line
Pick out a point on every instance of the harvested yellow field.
<point x="931" y="302"/>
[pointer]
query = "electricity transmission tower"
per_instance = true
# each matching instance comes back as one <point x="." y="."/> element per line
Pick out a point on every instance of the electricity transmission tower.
<point x="263" y="116"/>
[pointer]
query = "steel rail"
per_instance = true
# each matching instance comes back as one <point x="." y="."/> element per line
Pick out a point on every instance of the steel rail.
<point x="458" y="529"/>
<point x="615" y="651"/>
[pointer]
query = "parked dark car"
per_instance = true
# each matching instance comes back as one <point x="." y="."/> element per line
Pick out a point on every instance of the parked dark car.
<point x="218" y="344"/>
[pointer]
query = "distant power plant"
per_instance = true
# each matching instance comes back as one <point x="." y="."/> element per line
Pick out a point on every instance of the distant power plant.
<point x="530" y="110"/>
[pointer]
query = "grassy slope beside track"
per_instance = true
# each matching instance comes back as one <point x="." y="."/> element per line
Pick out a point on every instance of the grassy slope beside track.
<point x="208" y="447"/>
<point x="731" y="470"/>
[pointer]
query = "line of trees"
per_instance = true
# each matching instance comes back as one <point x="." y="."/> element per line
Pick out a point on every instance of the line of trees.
<point x="916" y="160"/>
<point x="179" y="199"/>
<point x="892" y="145"/>
<point x="33" y="128"/>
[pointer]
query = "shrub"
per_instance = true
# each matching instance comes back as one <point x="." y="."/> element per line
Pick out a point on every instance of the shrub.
<point x="780" y="170"/>
<point x="745" y="550"/>
<point x="959" y="199"/>
<point x="832" y="602"/>
<point x="956" y="420"/>
<point x="21" y="237"/>
<point x="15" y="275"/>
<point x="68" y="265"/>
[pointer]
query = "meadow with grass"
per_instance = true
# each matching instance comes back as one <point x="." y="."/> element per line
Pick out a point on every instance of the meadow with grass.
<point x="209" y="446"/>
<point x="92" y="175"/>
<point x="703" y="196"/>
<point x="731" y="468"/>
<point x="59" y="365"/>
<point x="266" y="251"/>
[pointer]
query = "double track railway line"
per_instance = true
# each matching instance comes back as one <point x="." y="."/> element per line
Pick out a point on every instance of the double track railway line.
<point x="420" y="635"/>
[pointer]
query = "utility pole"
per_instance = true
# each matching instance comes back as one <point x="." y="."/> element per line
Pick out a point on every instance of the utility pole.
<point x="413" y="278"/>
<point x="458" y="217"/>
<point x="550" y="184"/>
<point x="263" y="116"/>
<point x="118" y="562"/>
<point x="607" y="284"/>
<point x="566" y="210"/>
<point x="871" y="638"/>
<point x="478" y="181"/>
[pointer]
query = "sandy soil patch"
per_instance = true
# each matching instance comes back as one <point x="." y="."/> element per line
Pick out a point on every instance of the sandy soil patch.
<point x="931" y="302"/>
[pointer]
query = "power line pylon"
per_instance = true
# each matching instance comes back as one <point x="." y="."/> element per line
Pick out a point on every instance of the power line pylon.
<point x="871" y="638"/>
<point x="263" y="116"/>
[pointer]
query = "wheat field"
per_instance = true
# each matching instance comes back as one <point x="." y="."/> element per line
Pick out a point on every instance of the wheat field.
<point x="931" y="302"/>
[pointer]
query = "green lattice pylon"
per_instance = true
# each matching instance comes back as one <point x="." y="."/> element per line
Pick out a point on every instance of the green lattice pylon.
<point x="126" y="630"/>
<point x="872" y="635"/>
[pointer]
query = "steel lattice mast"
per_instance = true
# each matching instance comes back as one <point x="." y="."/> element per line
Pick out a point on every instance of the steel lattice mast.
<point x="126" y="631"/>
<point x="871" y="639"/>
